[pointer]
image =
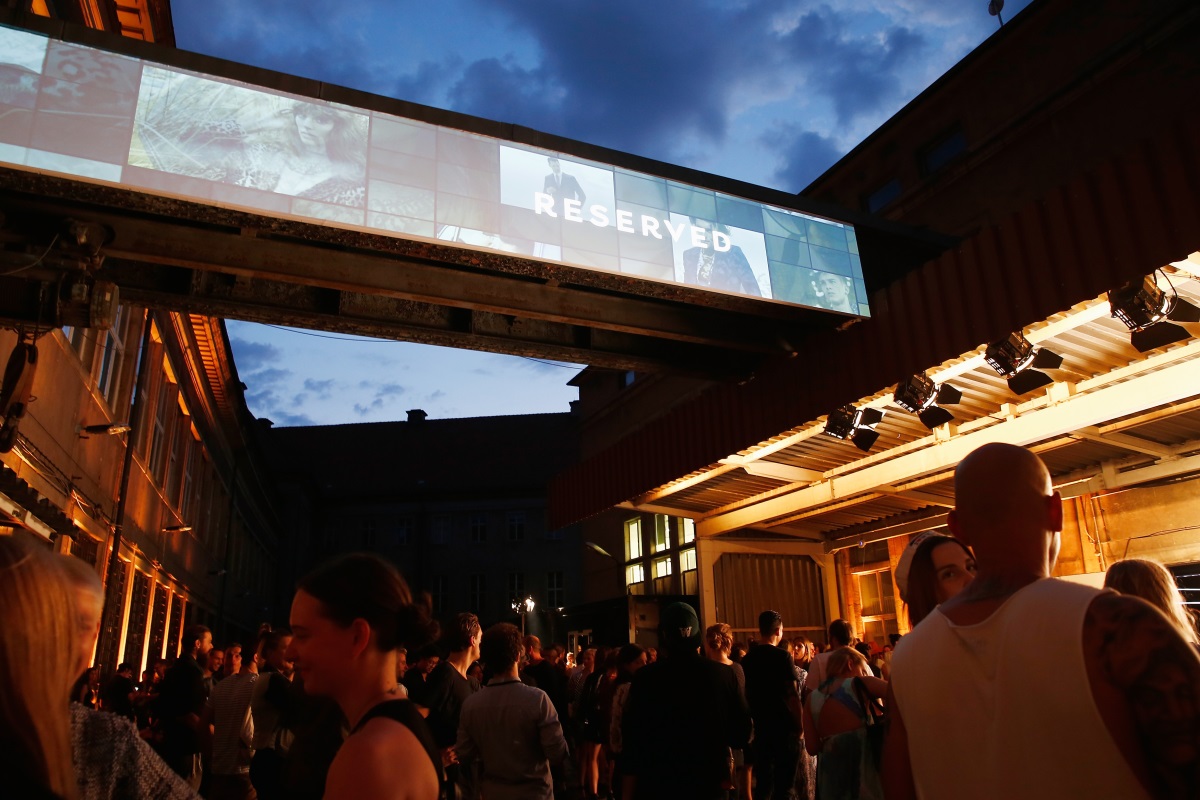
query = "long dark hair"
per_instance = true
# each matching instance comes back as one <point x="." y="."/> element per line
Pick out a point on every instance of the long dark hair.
<point x="922" y="578"/>
<point x="368" y="587"/>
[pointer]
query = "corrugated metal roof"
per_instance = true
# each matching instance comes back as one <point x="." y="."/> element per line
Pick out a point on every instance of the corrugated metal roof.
<point x="1125" y="219"/>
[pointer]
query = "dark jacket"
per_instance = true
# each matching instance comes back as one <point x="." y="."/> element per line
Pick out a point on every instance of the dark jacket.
<point x="684" y="713"/>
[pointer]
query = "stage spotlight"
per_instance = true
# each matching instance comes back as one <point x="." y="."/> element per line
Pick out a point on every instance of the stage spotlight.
<point x="1016" y="359"/>
<point x="854" y="424"/>
<point x="919" y="395"/>
<point x="1145" y="307"/>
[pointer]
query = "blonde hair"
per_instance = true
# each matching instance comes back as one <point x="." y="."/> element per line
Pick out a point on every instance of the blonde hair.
<point x="842" y="659"/>
<point x="1152" y="582"/>
<point x="37" y="654"/>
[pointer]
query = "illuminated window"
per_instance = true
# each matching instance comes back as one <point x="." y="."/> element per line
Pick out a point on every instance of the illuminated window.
<point x="633" y="539"/>
<point x="662" y="533"/>
<point x="662" y="567"/>
<point x="634" y="574"/>
<point x="687" y="560"/>
<point x="687" y="531"/>
<point x="876" y="594"/>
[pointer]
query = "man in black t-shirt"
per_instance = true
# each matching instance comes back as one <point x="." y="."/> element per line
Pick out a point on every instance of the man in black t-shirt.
<point x="774" y="704"/>
<point x="683" y="714"/>
<point x="182" y="698"/>
<point x="446" y="689"/>
<point x="117" y="696"/>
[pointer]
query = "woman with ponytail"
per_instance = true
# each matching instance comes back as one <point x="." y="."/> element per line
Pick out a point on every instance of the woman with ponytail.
<point x="348" y="619"/>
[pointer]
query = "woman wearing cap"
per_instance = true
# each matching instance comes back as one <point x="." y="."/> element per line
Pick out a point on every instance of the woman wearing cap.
<point x="932" y="569"/>
<point x="348" y="618"/>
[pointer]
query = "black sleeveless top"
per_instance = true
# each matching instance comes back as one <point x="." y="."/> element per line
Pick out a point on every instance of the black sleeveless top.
<point x="405" y="712"/>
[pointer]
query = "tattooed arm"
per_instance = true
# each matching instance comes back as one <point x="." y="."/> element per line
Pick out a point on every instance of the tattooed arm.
<point x="1145" y="679"/>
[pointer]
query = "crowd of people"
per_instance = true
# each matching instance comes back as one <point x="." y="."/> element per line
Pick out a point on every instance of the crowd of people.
<point x="1010" y="684"/>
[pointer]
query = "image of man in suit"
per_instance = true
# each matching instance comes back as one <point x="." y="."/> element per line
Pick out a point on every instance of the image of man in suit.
<point x="728" y="270"/>
<point x="562" y="186"/>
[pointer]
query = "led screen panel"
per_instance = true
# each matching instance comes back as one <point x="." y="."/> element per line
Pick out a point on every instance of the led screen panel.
<point x="89" y="114"/>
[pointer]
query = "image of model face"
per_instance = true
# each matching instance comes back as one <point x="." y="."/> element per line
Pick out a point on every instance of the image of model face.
<point x="834" y="290"/>
<point x="313" y="129"/>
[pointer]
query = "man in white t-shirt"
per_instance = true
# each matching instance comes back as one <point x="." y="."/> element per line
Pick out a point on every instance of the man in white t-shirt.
<point x="840" y="635"/>
<point x="1027" y="686"/>
<point x="232" y="729"/>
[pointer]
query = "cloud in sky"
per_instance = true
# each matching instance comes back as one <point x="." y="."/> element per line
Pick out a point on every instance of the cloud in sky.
<point x="254" y="355"/>
<point x="771" y="92"/>
<point x="674" y="80"/>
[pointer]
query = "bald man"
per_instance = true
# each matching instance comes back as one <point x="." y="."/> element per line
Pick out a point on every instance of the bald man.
<point x="1027" y="686"/>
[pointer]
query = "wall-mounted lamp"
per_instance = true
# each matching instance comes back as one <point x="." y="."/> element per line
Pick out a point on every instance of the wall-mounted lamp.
<point x="104" y="429"/>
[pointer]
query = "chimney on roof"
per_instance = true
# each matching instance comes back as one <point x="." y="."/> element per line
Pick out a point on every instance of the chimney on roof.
<point x="416" y="415"/>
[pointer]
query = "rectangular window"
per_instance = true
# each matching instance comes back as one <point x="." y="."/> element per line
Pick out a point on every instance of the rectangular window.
<point x="190" y="489"/>
<point x="687" y="530"/>
<point x="438" y="592"/>
<point x="662" y="533"/>
<point x="403" y="527"/>
<point x="160" y="439"/>
<point x="882" y="196"/>
<point x="635" y="575"/>
<point x="112" y="356"/>
<point x="180" y="443"/>
<point x="440" y="530"/>
<point x="478" y="593"/>
<point x="633" y="539"/>
<point x="943" y="150"/>
<point x="478" y="528"/>
<point x="687" y="560"/>
<point x="516" y="526"/>
<point x="555" y="594"/>
<point x="516" y="585"/>
<point x="367" y="530"/>
<point x="876" y="594"/>
<point x="662" y="567"/>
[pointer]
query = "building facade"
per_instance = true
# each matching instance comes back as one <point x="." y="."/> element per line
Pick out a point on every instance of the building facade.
<point x="133" y="457"/>
<point x="1058" y="160"/>
<point x="458" y="504"/>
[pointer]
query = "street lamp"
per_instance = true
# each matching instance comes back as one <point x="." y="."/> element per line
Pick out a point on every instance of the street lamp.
<point x="523" y="607"/>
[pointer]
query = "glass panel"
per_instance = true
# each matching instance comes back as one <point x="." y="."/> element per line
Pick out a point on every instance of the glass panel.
<point x="868" y="590"/>
<point x="633" y="539"/>
<point x="662" y="533"/>
<point x="687" y="560"/>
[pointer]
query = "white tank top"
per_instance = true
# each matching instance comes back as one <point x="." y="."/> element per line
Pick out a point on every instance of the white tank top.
<point x="1003" y="709"/>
